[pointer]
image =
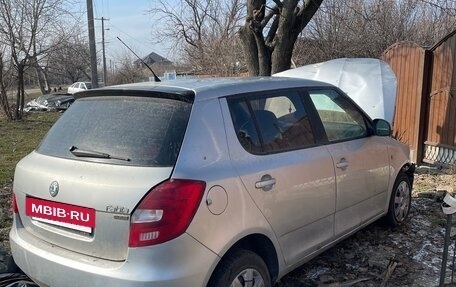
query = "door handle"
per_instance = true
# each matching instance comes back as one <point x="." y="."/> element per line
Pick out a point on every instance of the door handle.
<point x="266" y="183"/>
<point x="342" y="164"/>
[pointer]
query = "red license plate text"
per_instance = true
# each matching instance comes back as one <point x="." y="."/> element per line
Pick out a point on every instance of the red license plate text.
<point x="60" y="212"/>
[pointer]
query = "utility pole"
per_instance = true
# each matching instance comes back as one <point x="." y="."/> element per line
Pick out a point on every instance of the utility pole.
<point x="93" y="51"/>
<point x="104" y="51"/>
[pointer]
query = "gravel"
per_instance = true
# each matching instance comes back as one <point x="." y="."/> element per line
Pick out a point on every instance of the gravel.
<point x="409" y="255"/>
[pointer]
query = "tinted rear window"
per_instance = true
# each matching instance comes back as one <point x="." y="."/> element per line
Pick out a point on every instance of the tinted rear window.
<point x="147" y="131"/>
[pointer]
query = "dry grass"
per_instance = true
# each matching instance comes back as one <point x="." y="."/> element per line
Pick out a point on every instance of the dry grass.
<point x="18" y="138"/>
<point x="428" y="180"/>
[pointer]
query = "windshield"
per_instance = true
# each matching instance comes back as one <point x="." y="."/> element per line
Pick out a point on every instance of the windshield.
<point x="146" y="131"/>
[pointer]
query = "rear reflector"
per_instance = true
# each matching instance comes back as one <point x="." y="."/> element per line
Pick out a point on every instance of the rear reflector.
<point x="14" y="204"/>
<point x="165" y="212"/>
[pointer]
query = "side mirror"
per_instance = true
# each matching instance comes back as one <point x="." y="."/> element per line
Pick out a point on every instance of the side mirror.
<point x="382" y="128"/>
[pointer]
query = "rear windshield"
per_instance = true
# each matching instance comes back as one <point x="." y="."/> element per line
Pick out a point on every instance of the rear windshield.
<point x="137" y="131"/>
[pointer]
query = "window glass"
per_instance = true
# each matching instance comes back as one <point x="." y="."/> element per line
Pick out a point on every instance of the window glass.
<point x="271" y="123"/>
<point x="245" y="126"/>
<point x="147" y="131"/>
<point x="340" y="118"/>
<point x="280" y="106"/>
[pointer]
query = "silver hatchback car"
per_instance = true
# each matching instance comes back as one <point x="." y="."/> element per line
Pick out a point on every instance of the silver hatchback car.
<point x="225" y="182"/>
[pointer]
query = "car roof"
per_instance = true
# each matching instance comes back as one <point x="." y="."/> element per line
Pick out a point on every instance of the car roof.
<point x="209" y="88"/>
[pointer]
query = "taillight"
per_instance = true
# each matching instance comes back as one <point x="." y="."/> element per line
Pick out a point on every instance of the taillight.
<point x="165" y="212"/>
<point x="14" y="204"/>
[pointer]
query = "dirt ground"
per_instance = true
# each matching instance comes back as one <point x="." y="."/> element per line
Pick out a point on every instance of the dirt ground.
<point x="409" y="255"/>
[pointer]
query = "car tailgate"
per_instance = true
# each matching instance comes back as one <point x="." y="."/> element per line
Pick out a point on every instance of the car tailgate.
<point x="110" y="191"/>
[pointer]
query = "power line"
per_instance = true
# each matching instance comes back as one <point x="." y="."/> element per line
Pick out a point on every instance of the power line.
<point x="141" y="43"/>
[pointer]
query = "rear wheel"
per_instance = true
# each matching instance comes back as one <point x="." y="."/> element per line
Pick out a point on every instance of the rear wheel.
<point x="399" y="206"/>
<point x="242" y="268"/>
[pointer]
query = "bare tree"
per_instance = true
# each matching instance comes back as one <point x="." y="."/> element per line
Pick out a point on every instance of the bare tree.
<point x="205" y="32"/>
<point x="126" y="70"/>
<point x="354" y="28"/>
<point x="5" y="83"/>
<point x="360" y="28"/>
<point x="28" y="28"/>
<point x="267" y="36"/>
<point x="70" y="59"/>
<point x="270" y="32"/>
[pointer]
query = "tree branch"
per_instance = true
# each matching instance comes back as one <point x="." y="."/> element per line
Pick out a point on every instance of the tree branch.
<point x="272" y="31"/>
<point x="272" y="12"/>
<point x="306" y="12"/>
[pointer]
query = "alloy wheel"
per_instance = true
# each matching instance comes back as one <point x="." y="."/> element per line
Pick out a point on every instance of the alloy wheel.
<point x="401" y="201"/>
<point x="248" y="278"/>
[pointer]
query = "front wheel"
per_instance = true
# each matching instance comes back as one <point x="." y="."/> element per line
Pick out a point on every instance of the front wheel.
<point x="242" y="268"/>
<point x="401" y="197"/>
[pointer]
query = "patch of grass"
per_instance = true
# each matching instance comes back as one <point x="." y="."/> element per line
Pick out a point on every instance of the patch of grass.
<point x="18" y="138"/>
<point x="423" y="186"/>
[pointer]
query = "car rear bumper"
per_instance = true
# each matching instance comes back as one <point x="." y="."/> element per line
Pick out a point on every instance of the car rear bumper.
<point x="180" y="262"/>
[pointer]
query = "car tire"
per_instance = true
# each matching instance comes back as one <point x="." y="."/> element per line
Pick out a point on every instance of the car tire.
<point x="240" y="268"/>
<point x="400" y="201"/>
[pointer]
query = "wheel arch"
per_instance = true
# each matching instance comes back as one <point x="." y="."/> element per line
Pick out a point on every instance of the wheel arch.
<point x="391" y="217"/>
<point x="262" y="246"/>
<point x="409" y="170"/>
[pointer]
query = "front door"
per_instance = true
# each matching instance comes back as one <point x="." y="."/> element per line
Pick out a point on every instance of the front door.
<point x="360" y="160"/>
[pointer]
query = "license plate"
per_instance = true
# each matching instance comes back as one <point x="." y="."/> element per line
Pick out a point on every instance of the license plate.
<point x="61" y="214"/>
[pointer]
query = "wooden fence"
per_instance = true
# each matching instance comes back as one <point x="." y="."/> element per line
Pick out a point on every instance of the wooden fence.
<point x="425" y="115"/>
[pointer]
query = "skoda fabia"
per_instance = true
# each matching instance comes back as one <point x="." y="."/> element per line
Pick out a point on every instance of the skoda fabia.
<point x="225" y="182"/>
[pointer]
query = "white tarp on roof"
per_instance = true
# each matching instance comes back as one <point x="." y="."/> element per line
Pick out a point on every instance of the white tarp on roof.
<point x="371" y="83"/>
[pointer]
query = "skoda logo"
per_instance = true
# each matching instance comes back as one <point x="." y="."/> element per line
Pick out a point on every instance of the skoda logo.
<point x="54" y="188"/>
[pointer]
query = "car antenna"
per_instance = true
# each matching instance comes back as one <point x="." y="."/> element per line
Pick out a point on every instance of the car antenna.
<point x="156" y="79"/>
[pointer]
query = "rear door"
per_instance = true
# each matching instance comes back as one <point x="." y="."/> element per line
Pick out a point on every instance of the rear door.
<point x="360" y="159"/>
<point x="71" y="194"/>
<point x="290" y="178"/>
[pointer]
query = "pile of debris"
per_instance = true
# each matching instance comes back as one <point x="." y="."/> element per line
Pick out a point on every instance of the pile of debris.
<point x="10" y="276"/>
<point x="50" y="102"/>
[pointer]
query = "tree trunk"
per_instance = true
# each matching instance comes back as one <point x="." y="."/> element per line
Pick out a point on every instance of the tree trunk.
<point x="264" y="55"/>
<point x="46" y="81"/>
<point x="281" y="57"/>
<point x="285" y="38"/>
<point x="4" y="103"/>
<point x="42" y="81"/>
<point x="3" y="93"/>
<point x="252" y="37"/>
<point x="274" y="54"/>
<point x="250" y="51"/>
<point x="19" y="109"/>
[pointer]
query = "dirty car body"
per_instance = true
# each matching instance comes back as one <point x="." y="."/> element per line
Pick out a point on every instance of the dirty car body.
<point x="202" y="183"/>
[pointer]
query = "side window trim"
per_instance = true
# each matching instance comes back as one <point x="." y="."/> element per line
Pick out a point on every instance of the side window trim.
<point x="255" y="123"/>
<point x="315" y="121"/>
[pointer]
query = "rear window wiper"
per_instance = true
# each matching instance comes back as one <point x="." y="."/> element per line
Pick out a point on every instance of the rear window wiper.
<point x="94" y="154"/>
